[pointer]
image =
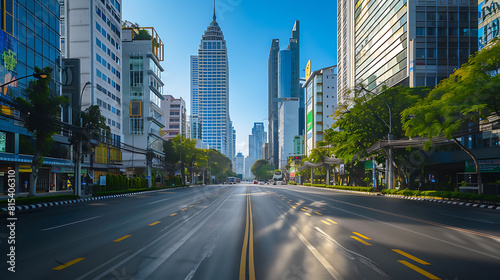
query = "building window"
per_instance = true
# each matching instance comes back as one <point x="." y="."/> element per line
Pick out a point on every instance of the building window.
<point x="136" y="71"/>
<point x="135" y="109"/>
<point x="136" y="126"/>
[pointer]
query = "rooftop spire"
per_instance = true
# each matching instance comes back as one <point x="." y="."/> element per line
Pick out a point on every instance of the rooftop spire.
<point x="215" y="18"/>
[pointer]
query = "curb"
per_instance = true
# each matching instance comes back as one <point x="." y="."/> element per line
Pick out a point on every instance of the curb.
<point x="459" y="203"/>
<point x="48" y="204"/>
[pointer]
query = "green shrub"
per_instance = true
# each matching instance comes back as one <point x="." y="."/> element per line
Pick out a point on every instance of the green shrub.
<point x="307" y="184"/>
<point x="291" y="183"/>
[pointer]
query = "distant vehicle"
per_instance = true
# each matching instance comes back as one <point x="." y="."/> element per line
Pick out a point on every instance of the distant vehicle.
<point x="277" y="175"/>
<point x="255" y="182"/>
<point x="233" y="180"/>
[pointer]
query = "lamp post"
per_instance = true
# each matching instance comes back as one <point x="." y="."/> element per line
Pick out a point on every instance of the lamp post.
<point x="149" y="153"/>
<point x="78" y="162"/>
<point x="389" y="168"/>
<point x="36" y="75"/>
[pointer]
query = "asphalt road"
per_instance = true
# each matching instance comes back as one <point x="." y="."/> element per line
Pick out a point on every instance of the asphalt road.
<point x="254" y="232"/>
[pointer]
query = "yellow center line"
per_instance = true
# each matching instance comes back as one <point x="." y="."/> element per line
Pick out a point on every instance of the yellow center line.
<point x="318" y="213"/>
<point x="173" y="214"/>
<point x="308" y="214"/>
<point x="303" y="209"/>
<point x="199" y="201"/>
<point x="184" y="209"/>
<point x="121" y="238"/>
<point x="294" y="207"/>
<point x="362" y="236"/>
<point x="411" y="257"/>
<point x="331" y="221"/>
<point x="191" y="206"/>
<point x="251" y="266"/>
<point x="152" y="224"/>
<point x="63" y="266"/>
<point x="421" y="271"/>
<point x="326" y="223"/>
<point x="360" y="240"/>
<point x="243" y="261"/>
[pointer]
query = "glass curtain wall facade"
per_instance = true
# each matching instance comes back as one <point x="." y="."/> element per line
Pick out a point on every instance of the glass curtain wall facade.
<point x="488" y="20"/>
<point x="416" y="43"/>
<point x="29" y="38"/>
<point x="213" y="91"/>
<point x="194" y="85"/>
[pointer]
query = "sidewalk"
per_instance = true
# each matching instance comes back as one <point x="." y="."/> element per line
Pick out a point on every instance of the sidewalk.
<point x="24" y="194"/>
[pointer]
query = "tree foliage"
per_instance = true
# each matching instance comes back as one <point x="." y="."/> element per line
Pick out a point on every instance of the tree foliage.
<point x="470" y="94"/>
<point x="364" y="119"/>
<point x="262" y="170"/>
<point x="42" y="108"/>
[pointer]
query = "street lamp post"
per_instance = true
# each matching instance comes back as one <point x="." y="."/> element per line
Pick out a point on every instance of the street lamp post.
<point x="149" y="153"/>
<point x="36" y="75"/>
<point x="78" y="162"/>
<point x="389" y="166"/>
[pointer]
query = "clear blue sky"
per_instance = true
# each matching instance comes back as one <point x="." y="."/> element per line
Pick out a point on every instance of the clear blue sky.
<point x="248" y="27"/>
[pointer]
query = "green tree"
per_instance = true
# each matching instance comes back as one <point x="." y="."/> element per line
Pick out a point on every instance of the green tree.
<point x="262" y="170"/>
<point x="468" y="96"/>
<point x="43" y="108"/>
<point x="364" y="120"/>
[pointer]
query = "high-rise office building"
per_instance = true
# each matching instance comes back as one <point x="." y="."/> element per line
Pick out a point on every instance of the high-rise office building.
<point x="210" y="91"/>
<point x="29" y="36"/>
<point x="255" y="142"/>
<point x="239" y="164"/>
<point x="143" y="116"/>
<point x="345" y="49"/>
<point x="489" y="21"/>
<point x="288" y="128"/>
<point x="91" y="32"/>
<point x="413" y="43"/>
<point x="283" y="82"/>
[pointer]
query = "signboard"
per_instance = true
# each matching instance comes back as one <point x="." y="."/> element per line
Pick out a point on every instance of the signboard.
<point x="3" y="141"/>
<point x="486" y="166"/>
<point x="102" y="180"/>
<point x="309" y="124"/>
<point x="308" y="69"/>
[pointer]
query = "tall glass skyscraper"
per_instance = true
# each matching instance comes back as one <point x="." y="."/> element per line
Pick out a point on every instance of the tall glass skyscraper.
<point x="210" y="93"/>
<point x="284" y="82"/>
<point x="413" y="43"/>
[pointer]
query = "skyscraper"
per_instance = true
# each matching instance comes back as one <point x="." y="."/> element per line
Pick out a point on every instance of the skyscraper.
<point x="414" y="43"/>
<point x="91" y="31"/>
<point x="255" y="142"/>
<point x="210" y="91"/>
<point x="283" y="82"/>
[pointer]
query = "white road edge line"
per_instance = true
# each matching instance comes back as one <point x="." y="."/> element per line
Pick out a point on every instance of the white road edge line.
<point x="71" y="223"/>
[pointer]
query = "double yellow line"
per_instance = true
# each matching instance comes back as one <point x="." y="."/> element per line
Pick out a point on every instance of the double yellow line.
<point x="248" y="244"/>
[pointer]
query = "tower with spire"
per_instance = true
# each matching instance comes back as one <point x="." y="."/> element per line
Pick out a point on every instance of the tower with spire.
<point x="210" y="95"/>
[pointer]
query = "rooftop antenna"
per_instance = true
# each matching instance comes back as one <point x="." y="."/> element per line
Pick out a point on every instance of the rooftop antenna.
<point x="214" y="12"/>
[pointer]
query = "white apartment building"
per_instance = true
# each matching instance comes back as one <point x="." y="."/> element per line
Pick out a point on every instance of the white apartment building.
<point x="321" y="101"/>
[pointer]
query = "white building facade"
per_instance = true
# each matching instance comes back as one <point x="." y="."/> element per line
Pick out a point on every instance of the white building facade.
<point x="321" y="101"/>
<point x="174" y="110"/>
<point x="143" y="117"/>
<point x="91" y="32"/>
<point x="288" y="128"/>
